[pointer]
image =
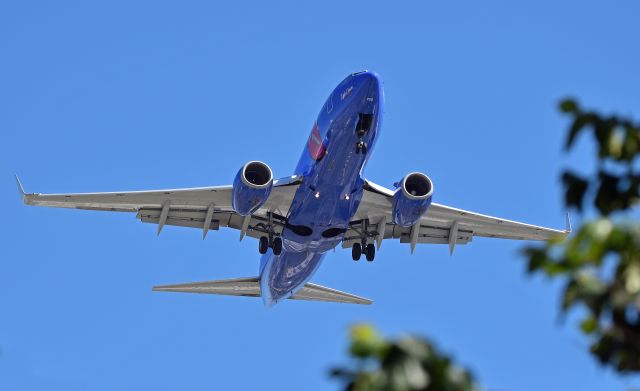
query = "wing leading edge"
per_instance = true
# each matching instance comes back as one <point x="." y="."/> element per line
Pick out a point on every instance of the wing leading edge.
<point x="202" y="207"/>
<point x="443" y="224"/>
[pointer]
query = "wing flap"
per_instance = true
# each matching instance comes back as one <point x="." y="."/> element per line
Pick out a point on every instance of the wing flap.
<point x="182" y="218"/>
<point x="251" y="287"/>
<point x="195" y="218"/>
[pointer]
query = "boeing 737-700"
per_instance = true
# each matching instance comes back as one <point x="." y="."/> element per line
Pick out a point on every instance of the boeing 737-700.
<point x="325" y="203"/>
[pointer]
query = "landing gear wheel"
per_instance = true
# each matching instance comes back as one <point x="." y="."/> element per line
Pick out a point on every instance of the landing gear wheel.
<point x="263" y="246"/>
<point x="356" y="251"/>
<point x="361" y="146"/>
<point x="371" y="252"/>
<point x="277" y="246"/>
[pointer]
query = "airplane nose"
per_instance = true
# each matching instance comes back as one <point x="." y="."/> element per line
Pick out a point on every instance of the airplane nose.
<point x="369" y="84"/>
<point x="366" y="78"/>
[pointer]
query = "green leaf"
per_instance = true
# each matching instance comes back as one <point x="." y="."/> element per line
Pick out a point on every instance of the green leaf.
<point x="568" y="106"/>
<point x="575" y="189"/>
<point x="365" y="341"/>
<point x="589" y="325"/>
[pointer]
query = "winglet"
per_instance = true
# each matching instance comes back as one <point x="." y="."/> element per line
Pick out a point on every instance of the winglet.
<point x="568" y="229"/>
<point x="20" y="188"/>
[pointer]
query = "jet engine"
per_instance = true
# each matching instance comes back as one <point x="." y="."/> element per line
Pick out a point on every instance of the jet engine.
<point x="251" y="187"/>
<point x="411" y="199"/>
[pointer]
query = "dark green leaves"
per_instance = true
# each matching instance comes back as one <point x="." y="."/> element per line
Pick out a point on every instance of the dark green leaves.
<point x="611" y="297"/>
<point x="407" y="364"/>
<point x="617" y="138"/>
<point x="600" y="263"/>
<point x="615" y="188"/>
<point x="575" y="189"/>
<point x="568" y="106"/>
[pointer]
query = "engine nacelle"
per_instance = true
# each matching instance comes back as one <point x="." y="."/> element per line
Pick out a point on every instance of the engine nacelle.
<point x="251" y="187"/>
<point x="411" y="199"/>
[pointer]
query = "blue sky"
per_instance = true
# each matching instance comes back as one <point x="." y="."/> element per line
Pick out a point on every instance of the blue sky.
<point x="141" y="95"/>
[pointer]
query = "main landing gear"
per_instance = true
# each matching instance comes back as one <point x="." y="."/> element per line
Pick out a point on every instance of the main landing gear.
<point x="359" y="248"/>
<point x="363" y="242"/>
<point x="274" y="243"/>
<point x="362" y="127"/>
<point x="271" y="240"/>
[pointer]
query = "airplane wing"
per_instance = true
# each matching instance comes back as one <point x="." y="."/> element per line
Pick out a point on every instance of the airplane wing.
<point x="207" y="208"/>
<point x="441" y="224"/>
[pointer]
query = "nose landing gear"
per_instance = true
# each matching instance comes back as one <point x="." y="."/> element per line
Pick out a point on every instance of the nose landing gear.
<point x="361" y="146"/>
<point x="365" y="121"/>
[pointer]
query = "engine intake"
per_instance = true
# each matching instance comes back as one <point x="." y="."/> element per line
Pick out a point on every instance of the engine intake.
<point x="412" y="199"/>
<point x="251" y="187"/>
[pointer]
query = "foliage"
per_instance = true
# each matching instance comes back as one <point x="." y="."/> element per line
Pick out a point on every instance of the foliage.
<point x="407" y="364"/>
<point x="601" y="261"/>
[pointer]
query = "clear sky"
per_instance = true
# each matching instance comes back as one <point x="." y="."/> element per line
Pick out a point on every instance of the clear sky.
<point x="135" y="95"/>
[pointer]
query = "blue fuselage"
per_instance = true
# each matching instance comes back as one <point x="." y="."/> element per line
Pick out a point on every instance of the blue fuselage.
<point x="331" y="188"/>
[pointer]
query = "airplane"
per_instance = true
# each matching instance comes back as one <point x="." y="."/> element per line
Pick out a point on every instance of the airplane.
<point x="325" y="203"/>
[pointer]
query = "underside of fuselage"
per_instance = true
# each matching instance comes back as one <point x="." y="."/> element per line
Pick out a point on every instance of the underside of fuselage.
<point x="331" y="166"/>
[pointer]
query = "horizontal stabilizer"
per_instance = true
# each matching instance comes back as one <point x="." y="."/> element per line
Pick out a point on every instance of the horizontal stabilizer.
<point x="251" y="287"/>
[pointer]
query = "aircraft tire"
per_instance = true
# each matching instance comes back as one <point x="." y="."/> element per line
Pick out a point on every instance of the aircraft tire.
<point x="371" y="252"/>
<point x="277" y="246"/>
<point x="356" y="251"/>
<point x="263" y="245"/>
